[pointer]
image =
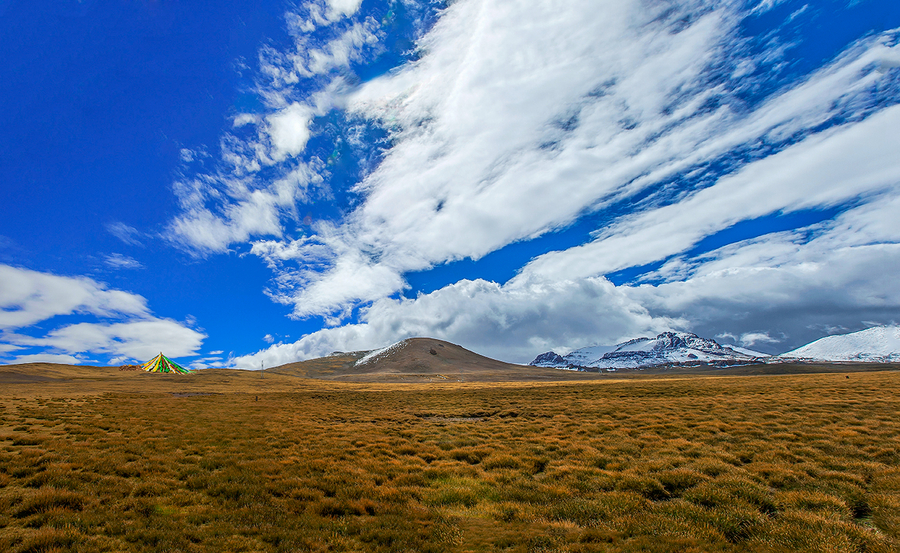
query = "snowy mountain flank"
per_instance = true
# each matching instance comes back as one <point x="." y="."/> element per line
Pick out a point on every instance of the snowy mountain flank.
<point x="669" y="348"/>
<point x="880" y="344"/>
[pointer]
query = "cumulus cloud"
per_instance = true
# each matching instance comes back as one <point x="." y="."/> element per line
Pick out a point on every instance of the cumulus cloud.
<point x="28" y="297"/>
<point x="342" y="8"/>
<point x="289" y="130"/>
<point x="530" y="317"/>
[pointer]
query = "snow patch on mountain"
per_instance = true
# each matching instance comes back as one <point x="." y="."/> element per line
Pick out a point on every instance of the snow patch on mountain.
<point x="880" y="344"/>
<point x="584" y="356"/>
<point x="377" y="354"/>
<point x="667" y="348"/>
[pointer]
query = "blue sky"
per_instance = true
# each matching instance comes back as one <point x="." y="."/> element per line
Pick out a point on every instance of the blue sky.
<point x="260" y="184"/>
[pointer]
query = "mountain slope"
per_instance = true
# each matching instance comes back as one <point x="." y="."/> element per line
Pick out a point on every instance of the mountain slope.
<point x="880" y="344"/>
<point x="668" y="348"/>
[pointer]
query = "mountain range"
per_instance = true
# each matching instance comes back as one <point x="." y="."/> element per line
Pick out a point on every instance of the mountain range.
<point x="878" y="344"/>
<point x="668" y="348"/>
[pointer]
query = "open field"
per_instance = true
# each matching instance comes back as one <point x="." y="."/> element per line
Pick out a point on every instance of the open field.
<point x="103" y="460"/>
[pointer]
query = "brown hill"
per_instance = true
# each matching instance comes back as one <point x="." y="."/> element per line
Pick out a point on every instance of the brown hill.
<point x="421" y="360"/>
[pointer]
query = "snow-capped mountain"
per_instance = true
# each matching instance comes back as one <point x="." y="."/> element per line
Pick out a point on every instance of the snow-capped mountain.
<point x="880" y="344"/>
<point x="666" y="349"/>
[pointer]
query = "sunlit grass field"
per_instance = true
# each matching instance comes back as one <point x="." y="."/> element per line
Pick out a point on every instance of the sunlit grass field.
<point x="775" y="463"/>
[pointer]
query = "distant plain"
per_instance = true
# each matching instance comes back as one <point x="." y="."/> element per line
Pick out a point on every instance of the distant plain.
<point x="412" y="459"/>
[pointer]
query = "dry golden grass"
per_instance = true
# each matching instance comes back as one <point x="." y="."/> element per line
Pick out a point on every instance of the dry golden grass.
<point x="279" y="463"/>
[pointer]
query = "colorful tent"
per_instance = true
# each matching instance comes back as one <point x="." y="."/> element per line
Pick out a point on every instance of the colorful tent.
<point x="162" y="364"/>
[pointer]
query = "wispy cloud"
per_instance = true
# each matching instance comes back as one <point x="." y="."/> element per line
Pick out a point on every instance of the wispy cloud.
<point x="238" y="203"/>
<point x="119" y="261"/>
<point x="127" y="234"/>
<point x="500" y="144"/>
<point x="850" y="162"/>
<point x="516" y="120"/>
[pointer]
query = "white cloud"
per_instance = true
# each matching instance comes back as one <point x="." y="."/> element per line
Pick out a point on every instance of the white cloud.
<point x="119" y="261"/>
<point x="137" y="339"/>
<point x="140" y="339"/>
<point x="258" y="213"/>
<point x="28" y="297"/>
<point x="766" y="5"/>
<point x="797" y="284"/>
<point x="828" y="169"/>
<point x="727" y="336"/>
<point x="515" y="122"/>
<point x="207" y="362"/>
<point x="338" y="52"/>
<point x="321" y="13"/>
<point x="753" y="338"/>
<point x="236" y="204"/>
<point x="8" y="347"/>
<point x="268" y="338"/>
<point x="49" y="358"/>
<point x="342" y="8"/>
<point x="512" y="323"/>
<point x="125" y="233"/>
<point x="289" y="130"/>
<point x="517" y="119"/>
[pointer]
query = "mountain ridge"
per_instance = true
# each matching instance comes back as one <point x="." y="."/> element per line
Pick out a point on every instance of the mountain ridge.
<point x="667" y="348"/>
<point x="879" y="344"/>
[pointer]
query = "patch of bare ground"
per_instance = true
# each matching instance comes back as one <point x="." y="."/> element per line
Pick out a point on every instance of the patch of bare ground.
<point x="220" y="461"/>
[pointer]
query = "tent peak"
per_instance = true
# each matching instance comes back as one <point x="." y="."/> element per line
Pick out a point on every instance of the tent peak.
<point x="162" y="364"/>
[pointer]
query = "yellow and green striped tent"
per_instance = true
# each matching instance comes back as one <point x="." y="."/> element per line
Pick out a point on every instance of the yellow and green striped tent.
<point x="162" y="364"/>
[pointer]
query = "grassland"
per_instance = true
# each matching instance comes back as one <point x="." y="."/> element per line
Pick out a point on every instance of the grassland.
<point x="222" y="463"/>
